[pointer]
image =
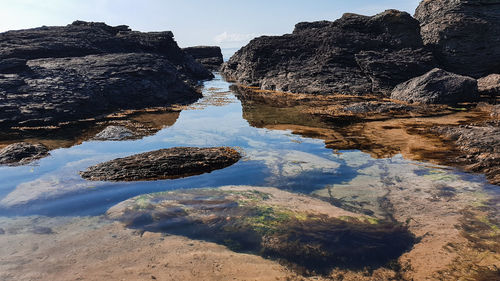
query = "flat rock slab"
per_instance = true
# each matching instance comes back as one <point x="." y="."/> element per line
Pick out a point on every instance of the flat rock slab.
<point x="22" y="153"/>
<point x="169" y="163"/>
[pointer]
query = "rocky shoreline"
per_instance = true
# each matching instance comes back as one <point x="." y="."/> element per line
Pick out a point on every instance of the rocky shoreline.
<point x="51" y="75"/>
<point x="397" y="65"/>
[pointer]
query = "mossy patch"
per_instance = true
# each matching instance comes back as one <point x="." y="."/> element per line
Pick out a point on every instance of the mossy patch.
<point x="246" y="221"/>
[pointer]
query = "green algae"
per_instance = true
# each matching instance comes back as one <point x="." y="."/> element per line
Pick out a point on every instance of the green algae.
<point x="245" y="221"/>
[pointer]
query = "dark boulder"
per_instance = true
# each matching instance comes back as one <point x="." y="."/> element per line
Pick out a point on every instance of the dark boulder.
<point x="22" y="153"/>
<point x="437" y="87"/>
<point x="464" y="34"/>
<point x="57" y="74"/>
<point x="354" y="54"/>
<point x="208" y="56"/>
<point x="169" y="163"/>
<point x="489" y="85"/>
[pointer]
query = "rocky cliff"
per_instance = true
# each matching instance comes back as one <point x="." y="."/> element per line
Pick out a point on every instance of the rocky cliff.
<point x="82" y="70"/>
<point x="208" y="56"/>
<point x="464" y="34"/>
<point x="354" y="54"/>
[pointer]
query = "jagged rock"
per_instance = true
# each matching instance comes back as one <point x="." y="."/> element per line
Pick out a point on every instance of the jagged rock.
<point x="115" y="133"/>
<point x="489" y="85"/>
<point x="437" y="87"/>
<point x="66" y="89"/>
<point x="208" y="56"/>
<point x="169" y="163"/>
<point x="59" y="74"/>
<point x="386" y="69"/>
<point x="22" y="153"/>
<point x="355" y="54"/>
<point x="465" y="34"/>
<point x="480" y="144"/>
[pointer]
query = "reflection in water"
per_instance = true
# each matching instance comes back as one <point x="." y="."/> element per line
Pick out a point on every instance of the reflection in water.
<point x="379" y="132"/>
<point x="141" y="123"/>
<point x="365" y="169"/>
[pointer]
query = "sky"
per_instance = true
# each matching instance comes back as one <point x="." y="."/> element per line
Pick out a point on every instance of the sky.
<point x="226" y="23"/>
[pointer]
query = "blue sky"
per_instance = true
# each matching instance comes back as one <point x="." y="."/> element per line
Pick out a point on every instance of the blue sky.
<point x="227" y="23"/>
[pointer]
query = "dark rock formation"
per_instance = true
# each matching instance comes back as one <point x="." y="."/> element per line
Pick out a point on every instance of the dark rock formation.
<point x="58" y="74"/>
<point x="169" y="163"/>
<point x="437" y="86"/>
<point x="489" y="85"/>
<point x="208" y="56"/>
<point x="22" y="153"/>
<point x="115" y="133"/>
<point x="480" y="144"/>
<point x="355" y="54"/>
<point x="465" y="34"/>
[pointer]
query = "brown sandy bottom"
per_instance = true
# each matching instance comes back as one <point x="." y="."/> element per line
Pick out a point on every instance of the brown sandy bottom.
<point x="95" y="248"/>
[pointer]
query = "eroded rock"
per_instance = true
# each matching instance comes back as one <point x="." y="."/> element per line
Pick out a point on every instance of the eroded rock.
<point x="464" y="34"/>
<point x="354" y="54"/>
<point x="22" y="153"/>
<point x="489" y="85"/>
<point x="208" y="56"/>
<point x="169" y="163"/>
<point x="437" y="87"/>
<point x="51" y="75"/>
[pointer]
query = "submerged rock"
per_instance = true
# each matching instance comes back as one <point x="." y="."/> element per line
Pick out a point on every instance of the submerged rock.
<point x="480" y="144"/>
<point x="465" y="34"/>
<point x="169" y="163"/>
<point x="354" y="54"/>
<point x="208" y="56"/>
<point x="22" y="153"/>
<point x="115" y="133"/>
<point x="437" y="87"/>
<point x="50" y="75"/>
<point x="261" y="221"/>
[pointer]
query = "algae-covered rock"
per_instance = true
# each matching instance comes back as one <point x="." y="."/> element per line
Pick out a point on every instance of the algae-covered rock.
<point x="250" y="220"/>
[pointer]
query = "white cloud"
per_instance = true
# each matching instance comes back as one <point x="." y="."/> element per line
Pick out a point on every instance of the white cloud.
<point x="226" y="37"/>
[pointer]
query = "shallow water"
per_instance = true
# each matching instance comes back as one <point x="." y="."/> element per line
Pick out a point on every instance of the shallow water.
<point x="348" y="179"/>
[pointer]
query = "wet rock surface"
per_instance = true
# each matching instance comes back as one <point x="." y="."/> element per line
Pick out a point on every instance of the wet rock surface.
<point x="437" y="86"/>
<point x="58" y="74"/>
<point x="480" y="144"/>
<point x="249" y="220"/>
<point x="208" y="56"/>
<point x="464" y="34"/>
<point x="22" y="153"/>
<point x="354" y="55"/>
<point x="169" y="163"/>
